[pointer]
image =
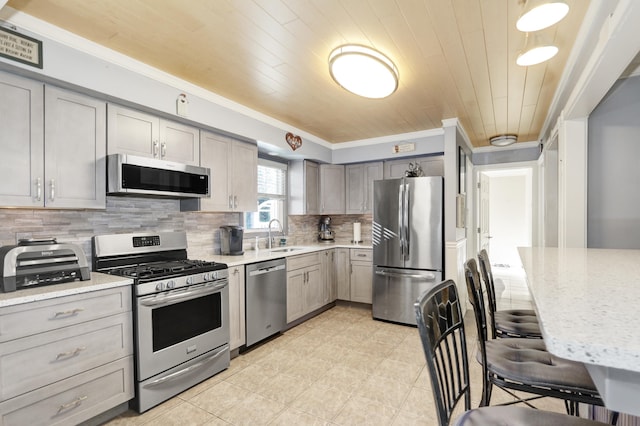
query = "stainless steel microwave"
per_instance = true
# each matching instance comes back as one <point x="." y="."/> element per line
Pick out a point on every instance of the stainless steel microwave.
<point x="130" y="174"/>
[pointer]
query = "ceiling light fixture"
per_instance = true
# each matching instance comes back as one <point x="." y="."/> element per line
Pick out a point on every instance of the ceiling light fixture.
<point x="540" y="14"/>
<point x="363" y="71"/>
<point x="536" y="50"/>
<point x="503" y="140"/>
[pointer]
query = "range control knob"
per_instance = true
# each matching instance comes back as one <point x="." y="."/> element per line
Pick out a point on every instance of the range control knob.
<point x="159" y="286"/>
<point x="171" y="284"/>
<point x="189" y="280"/>
<point x="206" y="276"/>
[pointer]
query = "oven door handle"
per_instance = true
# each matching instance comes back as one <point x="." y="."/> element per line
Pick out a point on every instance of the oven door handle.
<point x="189" y="294"/>
<point x="179" y="373"/>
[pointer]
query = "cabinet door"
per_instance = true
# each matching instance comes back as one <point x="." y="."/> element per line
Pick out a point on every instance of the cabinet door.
<point x="244" y="177"/>
<point x="355" y="193"/>
<point x="343" y="270"/>
<point x="431" y="166"/>
<point x="215" y="151"/>
<point x="328" y="277"/>
<point x="372" y="172"/>
<point x="75" y="147"/>
<point x="295" y="294"/>
<point x="21" y="142"/>
<point x="361" y="282"/>
<point x="132" y="132"/>
<point x="314" y="289"/>
<point x="311" y="187"/>
<point x="179" y="143"/>
<point x="332" y="199"/>
<point x="236" y="307"/>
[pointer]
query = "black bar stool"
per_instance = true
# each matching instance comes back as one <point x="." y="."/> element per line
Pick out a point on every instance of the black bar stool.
<point x="441" y="329"/>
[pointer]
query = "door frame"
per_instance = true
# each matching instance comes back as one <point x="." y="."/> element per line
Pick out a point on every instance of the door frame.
<point x="534" y="166"/>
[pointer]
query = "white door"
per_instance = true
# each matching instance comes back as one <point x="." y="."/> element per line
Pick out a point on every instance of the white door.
<point x="484" y="236"/>
<point x="505" y="214"/>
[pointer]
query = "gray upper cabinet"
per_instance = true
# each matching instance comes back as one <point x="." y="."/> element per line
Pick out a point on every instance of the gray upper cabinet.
<point x="75" y="145"/>
<point x="138" y="133"/>
<point x="332" y="189"/>
<point x="359" y="186"/>
<point x="431" y="166"/>
<point x="21" y="141"/>
<point x="234" y="180"/>
<point x="53" y="142"/>
<point x="304" y="187"/>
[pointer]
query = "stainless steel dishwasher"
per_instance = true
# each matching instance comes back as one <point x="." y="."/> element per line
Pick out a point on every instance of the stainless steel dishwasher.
<point x="266" y="299"/>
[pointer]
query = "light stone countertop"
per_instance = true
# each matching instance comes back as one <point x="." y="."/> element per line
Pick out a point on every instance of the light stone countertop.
<point x="253" y="256"/>
<point x="587" y="303"/>
<point x="97" y="282"/>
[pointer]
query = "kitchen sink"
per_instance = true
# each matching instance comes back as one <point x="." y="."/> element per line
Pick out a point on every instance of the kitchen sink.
<point x="286" y="249"/>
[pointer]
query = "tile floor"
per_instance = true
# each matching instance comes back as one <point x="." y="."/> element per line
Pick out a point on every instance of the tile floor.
<point x="339" y="368"/>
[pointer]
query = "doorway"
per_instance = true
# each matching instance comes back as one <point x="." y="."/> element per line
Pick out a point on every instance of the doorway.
<point x="505" y="213"/>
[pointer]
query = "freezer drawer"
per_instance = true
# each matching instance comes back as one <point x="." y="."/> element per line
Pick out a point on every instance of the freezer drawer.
<point x="396" y="290"/>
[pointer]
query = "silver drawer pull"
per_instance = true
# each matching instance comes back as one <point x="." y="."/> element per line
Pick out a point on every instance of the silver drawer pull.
<point x="73" y="404"/>
<point x="71" y="353"/>
<point x="69" y="313"/>
<point x="361" y="255"/>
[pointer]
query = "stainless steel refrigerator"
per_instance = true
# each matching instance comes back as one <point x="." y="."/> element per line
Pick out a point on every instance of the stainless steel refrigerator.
<point x="408" y="249"/>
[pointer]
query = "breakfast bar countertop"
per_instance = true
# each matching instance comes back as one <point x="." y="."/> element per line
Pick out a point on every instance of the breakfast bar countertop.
<point x="587" y="303"/>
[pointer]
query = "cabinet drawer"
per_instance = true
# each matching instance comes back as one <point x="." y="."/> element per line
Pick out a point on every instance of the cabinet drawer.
<point x="72" y="400"/>
<point x="37" y="317"/>
<point x="303" y="261"/>
<point x="32" y="362"/>
<point x="365" y="255"/>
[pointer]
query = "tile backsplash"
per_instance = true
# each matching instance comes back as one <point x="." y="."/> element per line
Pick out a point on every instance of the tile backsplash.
<point x="132" y="214"/>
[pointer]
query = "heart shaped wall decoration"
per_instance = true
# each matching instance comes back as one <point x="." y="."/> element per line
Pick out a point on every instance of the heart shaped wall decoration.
<point x="294" y="141"/>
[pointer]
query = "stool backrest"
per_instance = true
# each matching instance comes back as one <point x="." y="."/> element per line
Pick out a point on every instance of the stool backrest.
<point x="487" y="277"/>
<point x="441" y="327"/>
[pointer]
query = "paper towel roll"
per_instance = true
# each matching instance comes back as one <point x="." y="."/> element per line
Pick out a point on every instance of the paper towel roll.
<point x="357" y="237"/>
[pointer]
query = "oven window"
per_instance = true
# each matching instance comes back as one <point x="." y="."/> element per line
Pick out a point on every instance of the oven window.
<point x="176" y="323"/>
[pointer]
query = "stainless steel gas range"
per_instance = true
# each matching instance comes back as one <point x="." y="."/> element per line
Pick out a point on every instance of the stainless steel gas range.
<point x="181" y="311"/>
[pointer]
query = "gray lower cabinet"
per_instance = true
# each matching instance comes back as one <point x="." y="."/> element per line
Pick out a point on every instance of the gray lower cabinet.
<point x="237" y="336"/>
<point x="354" y="274"/>
<point x="305" y="286"/>
<point x="343" y="270"/>
<point x="71" y="361"/>
<point x="53" y="143"/>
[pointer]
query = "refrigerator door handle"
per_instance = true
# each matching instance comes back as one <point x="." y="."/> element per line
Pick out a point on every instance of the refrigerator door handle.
<point x="401" y="217"/>
<point x="407" y="221"/>
<point x="427" y="276"/>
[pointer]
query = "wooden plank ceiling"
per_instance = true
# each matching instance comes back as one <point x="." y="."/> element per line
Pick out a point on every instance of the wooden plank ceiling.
<point x="456" y="58"/>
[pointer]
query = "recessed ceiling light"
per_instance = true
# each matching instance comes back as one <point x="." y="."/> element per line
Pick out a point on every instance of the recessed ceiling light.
<point x="363" y="71"/>
<point x="540" y="14"/>
<point x="503" y="140"/>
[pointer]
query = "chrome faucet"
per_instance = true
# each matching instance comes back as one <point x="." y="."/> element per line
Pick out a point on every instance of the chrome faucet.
<point x="281" y="230"/>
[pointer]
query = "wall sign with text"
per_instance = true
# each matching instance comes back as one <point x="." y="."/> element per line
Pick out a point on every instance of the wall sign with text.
<point x="21" y="48"/>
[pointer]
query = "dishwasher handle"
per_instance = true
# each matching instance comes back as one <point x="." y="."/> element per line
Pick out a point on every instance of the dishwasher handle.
<point x="266" y="270"/>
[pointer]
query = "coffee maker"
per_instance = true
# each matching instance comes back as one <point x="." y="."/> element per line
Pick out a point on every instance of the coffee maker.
<point x="325" y="234"/>
<point x="231" y="240"/>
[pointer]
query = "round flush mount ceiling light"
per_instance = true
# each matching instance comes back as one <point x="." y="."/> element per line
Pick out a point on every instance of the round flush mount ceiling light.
<point x="503" y="140"/>
<point x="539" y="14"/>
<point x="363" y="71"/>
<point x="536" y="50"/>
